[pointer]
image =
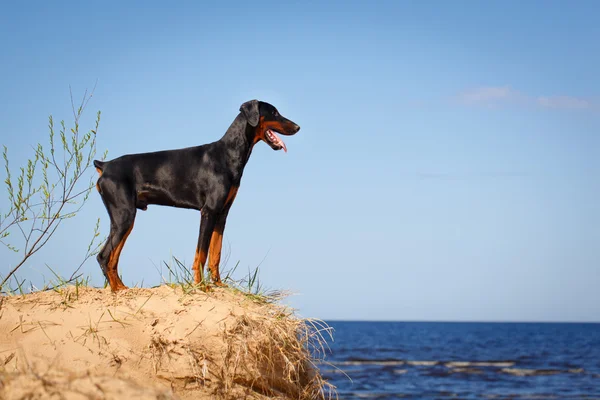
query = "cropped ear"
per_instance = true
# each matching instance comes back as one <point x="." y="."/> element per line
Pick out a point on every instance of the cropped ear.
<point x="250" y="111"/>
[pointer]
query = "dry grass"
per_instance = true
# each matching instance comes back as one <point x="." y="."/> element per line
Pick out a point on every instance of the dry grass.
<point x="275" y="357"/>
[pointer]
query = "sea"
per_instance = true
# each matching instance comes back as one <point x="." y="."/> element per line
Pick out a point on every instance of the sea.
<point x="443" y="360"/>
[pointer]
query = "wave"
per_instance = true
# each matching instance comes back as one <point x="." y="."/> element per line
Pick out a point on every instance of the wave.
<point x="427" y="363"/>
<point x="423" y="363"/>
<point x="370" y="362"/>
<point x="532" y="372"/>
<point x="463" y="364"/>
<point x="465" y="367"/>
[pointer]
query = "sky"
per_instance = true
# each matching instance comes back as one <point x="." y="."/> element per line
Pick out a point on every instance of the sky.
<point x="447" y="167"/>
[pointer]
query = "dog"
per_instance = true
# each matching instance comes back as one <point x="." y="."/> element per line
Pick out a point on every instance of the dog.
<point x="204" y="178"/>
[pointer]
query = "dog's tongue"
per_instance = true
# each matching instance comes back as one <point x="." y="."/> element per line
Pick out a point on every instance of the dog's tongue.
<point x="279" y="141"/>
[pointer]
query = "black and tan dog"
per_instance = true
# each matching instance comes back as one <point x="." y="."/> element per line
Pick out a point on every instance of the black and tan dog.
<point x="204" y="178"/>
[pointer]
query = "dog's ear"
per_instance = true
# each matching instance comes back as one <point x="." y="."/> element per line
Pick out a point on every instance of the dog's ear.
<point x="250" y="111"/>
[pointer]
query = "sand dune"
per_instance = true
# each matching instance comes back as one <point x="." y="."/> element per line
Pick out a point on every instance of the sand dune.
<point x="159" y="343"/>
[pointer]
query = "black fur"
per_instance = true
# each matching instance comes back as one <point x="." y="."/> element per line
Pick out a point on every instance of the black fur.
<point x="200" y="178"/>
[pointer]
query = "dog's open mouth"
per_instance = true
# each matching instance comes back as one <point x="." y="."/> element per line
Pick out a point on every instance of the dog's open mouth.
<point x="274" y="140"/>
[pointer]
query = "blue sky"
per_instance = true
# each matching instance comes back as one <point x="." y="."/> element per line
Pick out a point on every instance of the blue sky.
<point x="447" y="166"/>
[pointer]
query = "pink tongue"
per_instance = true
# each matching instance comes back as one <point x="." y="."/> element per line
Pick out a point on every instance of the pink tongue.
<point x="278" y="140"/>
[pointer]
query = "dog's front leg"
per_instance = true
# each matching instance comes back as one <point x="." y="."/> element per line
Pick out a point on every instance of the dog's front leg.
<point x="216" y="244"/>
<point x="207" y="224"/>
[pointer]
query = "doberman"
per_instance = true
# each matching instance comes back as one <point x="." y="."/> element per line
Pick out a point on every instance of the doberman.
<point x="204" y="178"/>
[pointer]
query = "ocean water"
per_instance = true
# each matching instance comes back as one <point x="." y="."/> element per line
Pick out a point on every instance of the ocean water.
<point x="430" y="360"/>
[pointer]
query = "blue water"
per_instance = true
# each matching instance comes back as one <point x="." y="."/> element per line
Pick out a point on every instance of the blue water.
<point x="416" y="360"/>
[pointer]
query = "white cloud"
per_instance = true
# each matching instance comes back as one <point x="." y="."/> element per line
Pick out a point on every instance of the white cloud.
<point x="492" y="96"/>
<point x="487" y="95"/>
<point x="563" y="102"/>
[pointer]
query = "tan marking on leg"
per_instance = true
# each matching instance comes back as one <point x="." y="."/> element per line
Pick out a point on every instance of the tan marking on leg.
<point x="198" y="265"/>
<point x="214" y="257"/>
<point x="231" y="195"/>
<point x="113" y="261"/>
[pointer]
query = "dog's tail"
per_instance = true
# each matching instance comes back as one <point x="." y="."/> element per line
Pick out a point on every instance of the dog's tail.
<point x="99" y="166"/>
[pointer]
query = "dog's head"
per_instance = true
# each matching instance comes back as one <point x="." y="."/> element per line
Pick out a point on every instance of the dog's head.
<point x="268" y="123"/>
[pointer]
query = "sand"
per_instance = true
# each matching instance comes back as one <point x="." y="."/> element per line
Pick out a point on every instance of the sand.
<point x="159" y="343"/>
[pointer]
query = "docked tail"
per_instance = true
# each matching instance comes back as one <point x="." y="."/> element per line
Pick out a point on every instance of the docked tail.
<point x="99" y="166"/>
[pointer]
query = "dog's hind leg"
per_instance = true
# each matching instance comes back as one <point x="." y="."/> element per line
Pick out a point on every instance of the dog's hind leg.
<point x="121" y="210"/>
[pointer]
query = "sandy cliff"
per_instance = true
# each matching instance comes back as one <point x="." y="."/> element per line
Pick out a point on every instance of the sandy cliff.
<point x="159" y="343"/>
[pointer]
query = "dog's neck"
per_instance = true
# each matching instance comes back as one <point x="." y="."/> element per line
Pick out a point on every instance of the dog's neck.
<point x="239" y="141"/>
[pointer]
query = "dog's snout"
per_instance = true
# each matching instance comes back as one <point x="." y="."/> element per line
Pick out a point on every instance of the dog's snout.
<point x="296" y="128"/>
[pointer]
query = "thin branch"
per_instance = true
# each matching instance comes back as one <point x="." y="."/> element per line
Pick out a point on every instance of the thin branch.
<point x="43" y="224"/>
